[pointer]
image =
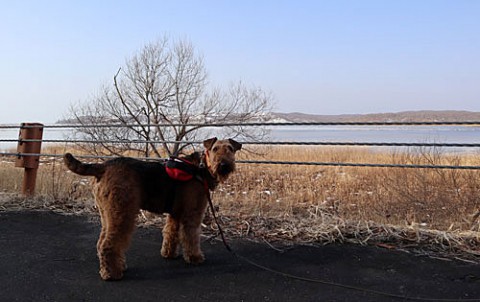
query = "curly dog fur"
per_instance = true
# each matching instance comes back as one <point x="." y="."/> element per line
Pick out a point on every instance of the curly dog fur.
<point x="123" y="186"/>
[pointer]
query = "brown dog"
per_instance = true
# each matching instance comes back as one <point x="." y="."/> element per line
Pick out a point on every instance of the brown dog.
<point x="125" y="185"/>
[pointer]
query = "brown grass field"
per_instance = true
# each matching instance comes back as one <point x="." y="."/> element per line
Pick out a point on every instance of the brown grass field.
<point x="390" y="207"/>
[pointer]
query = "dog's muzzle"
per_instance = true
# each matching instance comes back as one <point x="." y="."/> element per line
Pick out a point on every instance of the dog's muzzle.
<point x="225" y="168"/>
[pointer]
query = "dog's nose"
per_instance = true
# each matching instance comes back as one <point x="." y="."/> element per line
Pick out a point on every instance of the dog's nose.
<point x="224" y="168"/>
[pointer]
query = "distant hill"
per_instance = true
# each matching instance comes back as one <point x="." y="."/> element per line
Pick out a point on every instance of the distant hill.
<point x="405" y="116"/>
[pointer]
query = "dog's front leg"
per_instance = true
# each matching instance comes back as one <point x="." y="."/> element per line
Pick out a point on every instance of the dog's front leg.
<point x="190" y="231"/>
<point x="170" y="244"/>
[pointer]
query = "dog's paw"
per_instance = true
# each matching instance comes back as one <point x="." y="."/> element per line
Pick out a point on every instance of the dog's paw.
<point x="111" y="275"/>
<point x="194" y="259"/>
<point x="169" y="254"/>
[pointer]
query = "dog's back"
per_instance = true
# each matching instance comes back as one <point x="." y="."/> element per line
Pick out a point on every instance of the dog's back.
<point x="156" y="191"/>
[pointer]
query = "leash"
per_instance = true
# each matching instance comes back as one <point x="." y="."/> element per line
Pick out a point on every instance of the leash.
<point x="318" y="281"/>
<point x="212" y="209"/>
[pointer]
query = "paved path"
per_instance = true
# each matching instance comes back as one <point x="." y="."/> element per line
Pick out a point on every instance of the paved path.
<point x="50" y="257"/>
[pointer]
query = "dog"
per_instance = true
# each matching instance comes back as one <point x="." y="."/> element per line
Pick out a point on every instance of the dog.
<point x="124" y="185"/>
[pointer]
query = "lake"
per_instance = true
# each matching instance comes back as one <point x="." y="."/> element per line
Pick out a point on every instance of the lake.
<point x="399" y="134"/>
<point x="364" y="134"/>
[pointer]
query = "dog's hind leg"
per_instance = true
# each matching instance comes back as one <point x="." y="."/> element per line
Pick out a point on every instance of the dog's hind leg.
<point x="119" y="224"/>
<point x="103" y="231"/>
<point x="170" y="244"/>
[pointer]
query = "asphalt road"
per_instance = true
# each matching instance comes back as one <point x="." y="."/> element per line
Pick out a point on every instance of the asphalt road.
<point x="51" y="257"/>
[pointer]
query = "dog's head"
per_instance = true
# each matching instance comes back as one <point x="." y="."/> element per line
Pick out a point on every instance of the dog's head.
<point x="220" y="156"/>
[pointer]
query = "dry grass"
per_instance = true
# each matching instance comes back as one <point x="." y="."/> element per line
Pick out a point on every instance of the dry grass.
<point x="438" y="199"/>
<point x="306" y="204"/>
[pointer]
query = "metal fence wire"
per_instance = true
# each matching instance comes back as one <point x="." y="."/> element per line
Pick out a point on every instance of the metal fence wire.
<point x="271" y="143"/>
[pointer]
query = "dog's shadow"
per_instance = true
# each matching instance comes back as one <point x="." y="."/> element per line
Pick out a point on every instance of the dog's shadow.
<point x="146" y="263"/>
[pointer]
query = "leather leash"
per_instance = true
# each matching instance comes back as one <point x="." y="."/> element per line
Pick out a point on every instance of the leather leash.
<point x="212" y="209"/>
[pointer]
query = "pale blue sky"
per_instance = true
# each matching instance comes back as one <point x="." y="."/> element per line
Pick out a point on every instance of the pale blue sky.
<point x="325" y="57"/>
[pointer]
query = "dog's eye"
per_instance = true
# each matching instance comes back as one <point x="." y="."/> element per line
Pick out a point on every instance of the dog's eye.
<point x="215" y="149"/>
<point x="230" y="148"/>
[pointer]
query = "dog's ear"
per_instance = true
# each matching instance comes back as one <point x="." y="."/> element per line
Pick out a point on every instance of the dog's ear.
<point x="209" y="143"/>
<point x="236" y="145"/>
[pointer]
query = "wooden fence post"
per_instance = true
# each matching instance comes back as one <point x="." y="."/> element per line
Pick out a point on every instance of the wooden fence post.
<point x="29" y="131"/>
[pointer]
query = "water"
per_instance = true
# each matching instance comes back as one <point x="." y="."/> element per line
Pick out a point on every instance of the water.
<point x="367" y="134"/>
<point x="12" y="134"/>
<point x="390" y="134"/>
<point x="384" y="134"/>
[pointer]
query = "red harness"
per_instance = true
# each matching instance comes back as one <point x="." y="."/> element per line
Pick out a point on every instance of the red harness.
<point x="180" y="169"/>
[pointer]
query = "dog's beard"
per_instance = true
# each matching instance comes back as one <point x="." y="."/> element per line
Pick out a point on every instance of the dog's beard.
<point x="223" y="170"/>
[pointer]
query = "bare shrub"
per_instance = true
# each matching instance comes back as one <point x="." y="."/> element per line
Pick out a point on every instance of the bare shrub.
<point x="157" y="95"/>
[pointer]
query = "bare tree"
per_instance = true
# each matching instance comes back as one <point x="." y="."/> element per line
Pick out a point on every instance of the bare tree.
<point x="157" y="95"/>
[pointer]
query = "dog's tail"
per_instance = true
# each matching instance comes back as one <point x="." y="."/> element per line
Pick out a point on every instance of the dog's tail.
<point x="80" y="168"/>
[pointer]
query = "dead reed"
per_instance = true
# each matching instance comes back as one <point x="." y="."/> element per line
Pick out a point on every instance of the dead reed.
<point x="310" y="204"/>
